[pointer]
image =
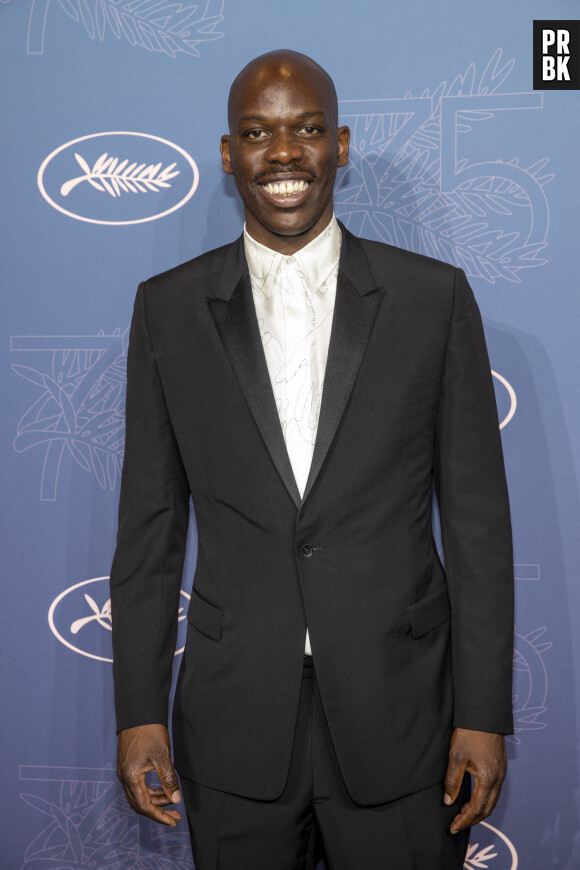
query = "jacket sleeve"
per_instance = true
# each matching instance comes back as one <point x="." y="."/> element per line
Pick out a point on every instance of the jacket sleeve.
<point x="475" y="525"/>
<point x="148" y="563"/>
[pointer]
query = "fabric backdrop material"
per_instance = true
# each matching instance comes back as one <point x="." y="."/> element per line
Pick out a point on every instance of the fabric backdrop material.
<point x="112" y="112"/>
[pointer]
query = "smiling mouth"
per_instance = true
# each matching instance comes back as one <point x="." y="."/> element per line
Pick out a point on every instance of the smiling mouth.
<point x="286" y="194"/>
<point x="285" y="188"/>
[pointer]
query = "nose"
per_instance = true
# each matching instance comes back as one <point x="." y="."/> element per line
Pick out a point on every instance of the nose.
<point x="284" y="147"/>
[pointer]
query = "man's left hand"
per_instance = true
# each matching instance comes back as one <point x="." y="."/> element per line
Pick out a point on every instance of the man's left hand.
<point x="483" y="755"/>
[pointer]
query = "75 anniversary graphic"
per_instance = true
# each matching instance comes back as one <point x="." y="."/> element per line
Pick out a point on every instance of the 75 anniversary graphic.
<point x="410" y="183"/>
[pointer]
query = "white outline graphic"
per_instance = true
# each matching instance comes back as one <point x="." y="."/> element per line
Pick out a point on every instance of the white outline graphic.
<point x="86" y="815"/>
<point x="154" y="217"/>
<point x="84" y="820"/>
<point x="530" y="681"/>
<point x="527" y="571"/>
<point x="80" y="411"/>
<point x="411" y="183"/>
<point x="476" y="861"/>
<point x="171" y="27"/>
<point x="109" y="175"/>
<point x="513" y="398"/>
<point x="99" y="617"/>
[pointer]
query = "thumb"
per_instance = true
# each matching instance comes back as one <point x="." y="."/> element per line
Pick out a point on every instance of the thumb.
<point x="168" y="779"/>
<point x="453" y="778"/>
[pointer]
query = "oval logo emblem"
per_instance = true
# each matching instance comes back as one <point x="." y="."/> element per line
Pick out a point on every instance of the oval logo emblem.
<point x="506" y="400"/>
<point x="489" y="847"/>
<point x="118" y="178"/>
<point x="80" y="617"/>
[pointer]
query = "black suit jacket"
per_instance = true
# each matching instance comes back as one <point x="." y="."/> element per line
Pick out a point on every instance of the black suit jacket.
<point x="403" y="649"/>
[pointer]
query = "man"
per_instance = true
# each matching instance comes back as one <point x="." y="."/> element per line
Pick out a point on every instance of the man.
<point x="308" y="388"/>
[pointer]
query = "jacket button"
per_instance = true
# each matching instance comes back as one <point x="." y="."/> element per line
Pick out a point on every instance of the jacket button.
<point x="306" y="550"/>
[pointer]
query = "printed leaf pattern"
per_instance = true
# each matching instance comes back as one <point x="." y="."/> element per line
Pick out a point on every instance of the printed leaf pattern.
<point x="393" y="193"/>
<point x="478" y="859"/>
<point x="89" y="824"/>
<point x="530" y="682"/>
<point x="80" y="411"/>
<point x="103" y="617"/>
<point x="114" y="178"/>
<point x="156" y="25"/>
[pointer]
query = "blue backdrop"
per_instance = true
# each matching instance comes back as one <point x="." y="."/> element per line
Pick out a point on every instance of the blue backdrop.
<point x="112" y="112"/>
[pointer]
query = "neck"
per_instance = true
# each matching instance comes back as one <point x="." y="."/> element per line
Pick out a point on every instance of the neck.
<point x="286" y="244"/>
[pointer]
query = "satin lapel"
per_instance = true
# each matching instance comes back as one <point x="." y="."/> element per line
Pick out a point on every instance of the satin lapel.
<point x="237" y="326"/>
<point x="353" y="319"/>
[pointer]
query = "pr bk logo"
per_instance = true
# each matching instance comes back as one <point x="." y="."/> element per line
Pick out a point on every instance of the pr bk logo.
<point x="557" y="55"/>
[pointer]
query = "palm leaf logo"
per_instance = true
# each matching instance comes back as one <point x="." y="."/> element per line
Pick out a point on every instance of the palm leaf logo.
<point x="168" y="26"/>
<point x="478" y="859"/>
<point x="108" y="175"/>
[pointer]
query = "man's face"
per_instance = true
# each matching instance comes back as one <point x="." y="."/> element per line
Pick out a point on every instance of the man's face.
<point x="283" y="151"/>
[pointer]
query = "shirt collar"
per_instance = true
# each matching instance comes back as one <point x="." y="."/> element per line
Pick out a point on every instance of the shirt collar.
<point x="316" y="260"/>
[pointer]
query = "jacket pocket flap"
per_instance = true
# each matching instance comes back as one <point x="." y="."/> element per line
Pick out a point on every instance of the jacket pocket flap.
<point x="206" y="617"/>
<point x="430" y="612"/>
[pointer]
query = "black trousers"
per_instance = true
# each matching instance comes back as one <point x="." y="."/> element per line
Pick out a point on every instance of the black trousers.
<point x="229" y="832"/>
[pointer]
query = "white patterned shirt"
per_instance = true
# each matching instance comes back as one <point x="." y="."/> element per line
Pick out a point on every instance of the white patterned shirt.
<point x="294" y="298"/>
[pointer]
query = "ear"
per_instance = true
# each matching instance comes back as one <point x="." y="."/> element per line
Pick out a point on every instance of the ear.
<point x="343" y="143"/>
<point x="226" y="156"/>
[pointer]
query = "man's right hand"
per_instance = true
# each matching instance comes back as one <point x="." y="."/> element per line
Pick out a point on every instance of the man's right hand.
<point x="140" y="750"/>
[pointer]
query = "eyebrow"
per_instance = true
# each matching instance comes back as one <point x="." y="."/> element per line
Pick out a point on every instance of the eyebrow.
<point x="301" y="117"/>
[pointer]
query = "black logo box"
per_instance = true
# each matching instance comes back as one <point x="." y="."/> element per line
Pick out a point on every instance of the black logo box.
<point x="562" y="41"/>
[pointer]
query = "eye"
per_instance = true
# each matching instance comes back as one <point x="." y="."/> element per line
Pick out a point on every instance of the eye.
<point x="255" y="135"/>
<point x="310" y="130"/>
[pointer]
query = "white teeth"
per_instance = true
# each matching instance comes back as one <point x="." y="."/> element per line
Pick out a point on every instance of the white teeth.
<point x="286" y="188"/>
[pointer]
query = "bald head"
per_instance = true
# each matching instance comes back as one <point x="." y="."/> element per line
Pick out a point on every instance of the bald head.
<point x="284" y="148"/>
<point x="282" y="65"/>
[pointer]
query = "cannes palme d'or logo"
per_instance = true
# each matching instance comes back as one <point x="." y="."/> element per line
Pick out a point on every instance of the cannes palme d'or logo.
<point x="80" y="618"/>
<point x="109" y="175"/>
<point x="125" y="178"/>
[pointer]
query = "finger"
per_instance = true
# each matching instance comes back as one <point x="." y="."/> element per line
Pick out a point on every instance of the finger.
<point x="161" y="802"/>
<point x="474" y="809"/>
<point x="453" y="779"/>
<point x="472" y="814"/>
<point x="491" y="802"/>
<point x="167" y="778"/>
<point x="138" y="796"/>
<point x="158" y="797"/>
<point x="468" y="817"/>
<point x="479" y="807"/>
